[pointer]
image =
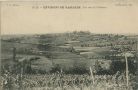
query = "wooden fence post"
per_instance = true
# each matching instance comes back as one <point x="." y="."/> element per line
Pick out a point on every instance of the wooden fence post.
<point x="126" y="70"/>
<point x="92" y="76"/>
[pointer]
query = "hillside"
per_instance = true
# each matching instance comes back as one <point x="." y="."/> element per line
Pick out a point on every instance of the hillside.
<point x="67" y="49"/>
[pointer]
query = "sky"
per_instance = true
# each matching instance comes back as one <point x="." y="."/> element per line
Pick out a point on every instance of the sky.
<point x="21" y="18"/>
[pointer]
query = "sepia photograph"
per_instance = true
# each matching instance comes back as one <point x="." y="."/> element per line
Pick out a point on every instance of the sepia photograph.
<point x="69" y="45"/>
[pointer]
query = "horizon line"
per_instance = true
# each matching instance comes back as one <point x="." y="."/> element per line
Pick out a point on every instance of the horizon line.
<point x="129" y="33"/>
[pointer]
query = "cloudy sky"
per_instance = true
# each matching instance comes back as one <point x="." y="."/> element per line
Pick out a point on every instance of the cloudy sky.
<point x="21" y="18"/>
